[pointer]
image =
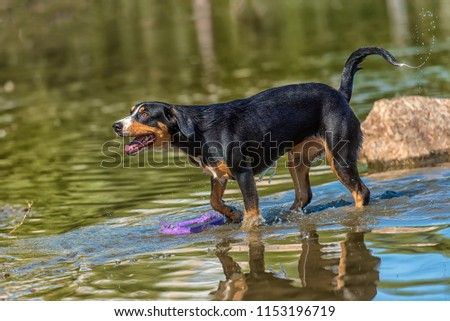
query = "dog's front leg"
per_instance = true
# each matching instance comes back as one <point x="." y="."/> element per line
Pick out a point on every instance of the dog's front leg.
<point x="217" y="191"/>
<point x="247" y="186"/>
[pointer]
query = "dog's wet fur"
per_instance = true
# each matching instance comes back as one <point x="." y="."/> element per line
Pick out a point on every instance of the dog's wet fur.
<point x="241" y="138"/>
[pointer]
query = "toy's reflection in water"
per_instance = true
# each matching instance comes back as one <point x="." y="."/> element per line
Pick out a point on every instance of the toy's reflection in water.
<point x="323" y="274"/>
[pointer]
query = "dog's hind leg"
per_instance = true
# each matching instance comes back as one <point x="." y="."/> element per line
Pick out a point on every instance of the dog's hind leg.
<point x="343" y="158"/>
<point x="217" y="191"/>
<point x="299" y="163"/>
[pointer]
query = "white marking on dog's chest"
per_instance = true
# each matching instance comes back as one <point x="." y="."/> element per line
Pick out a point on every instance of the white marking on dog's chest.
<point x="206" y="168"/>
<point x="216" y="173"/>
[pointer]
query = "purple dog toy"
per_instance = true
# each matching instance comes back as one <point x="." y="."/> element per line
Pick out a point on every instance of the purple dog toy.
<point x="195" y="225"/>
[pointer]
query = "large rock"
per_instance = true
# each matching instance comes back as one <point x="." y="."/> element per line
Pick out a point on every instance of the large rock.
<point x="407" y="131"/>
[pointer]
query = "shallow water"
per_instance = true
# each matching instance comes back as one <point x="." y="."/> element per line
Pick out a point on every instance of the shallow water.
<point x="397" y="248"/>
<point x="92" y="232"/>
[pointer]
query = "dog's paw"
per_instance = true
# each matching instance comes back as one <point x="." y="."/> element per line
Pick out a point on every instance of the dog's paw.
<point x="233" y="215"/>
<point x="250" y="223"/>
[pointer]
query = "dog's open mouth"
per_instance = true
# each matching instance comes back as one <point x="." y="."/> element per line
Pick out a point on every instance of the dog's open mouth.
<point x="139" y="143"/>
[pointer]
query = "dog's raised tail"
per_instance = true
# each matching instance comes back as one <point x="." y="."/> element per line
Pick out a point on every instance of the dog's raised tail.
<point x="352" y="66"/>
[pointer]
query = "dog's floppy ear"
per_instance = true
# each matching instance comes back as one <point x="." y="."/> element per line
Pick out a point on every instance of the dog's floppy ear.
<point x="184" y="122"/>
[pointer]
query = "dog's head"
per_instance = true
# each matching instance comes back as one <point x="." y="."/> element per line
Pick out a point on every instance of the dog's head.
<point x="153" y="124"/>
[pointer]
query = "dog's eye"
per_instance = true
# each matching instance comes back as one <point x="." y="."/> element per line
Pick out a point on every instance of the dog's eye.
<point x="144" y="115"/>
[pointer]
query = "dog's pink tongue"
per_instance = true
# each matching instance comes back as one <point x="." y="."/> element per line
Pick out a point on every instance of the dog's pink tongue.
<point x="130" y="148"/>
<point x="134" y="146"/>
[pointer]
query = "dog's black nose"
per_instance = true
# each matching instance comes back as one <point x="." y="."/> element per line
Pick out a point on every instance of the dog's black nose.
<point x="117" y="126"/>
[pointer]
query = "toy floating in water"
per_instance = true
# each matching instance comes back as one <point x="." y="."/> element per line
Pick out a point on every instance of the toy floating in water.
<point x="196" y="225"/>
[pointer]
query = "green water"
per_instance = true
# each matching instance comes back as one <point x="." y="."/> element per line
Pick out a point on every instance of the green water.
<point x="69" y="69"/>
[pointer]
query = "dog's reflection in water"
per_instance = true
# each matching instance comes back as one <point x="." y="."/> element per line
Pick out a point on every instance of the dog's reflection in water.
<point x="324" y="274"/>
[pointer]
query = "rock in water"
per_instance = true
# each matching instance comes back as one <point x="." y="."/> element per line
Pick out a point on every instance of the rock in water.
<point x="407" y="131"/>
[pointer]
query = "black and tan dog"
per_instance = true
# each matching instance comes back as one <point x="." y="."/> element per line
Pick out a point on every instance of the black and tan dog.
<point x="242" y="138"/>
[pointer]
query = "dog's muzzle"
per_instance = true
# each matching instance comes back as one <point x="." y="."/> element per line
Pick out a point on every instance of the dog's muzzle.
<point x="118" y="128"/>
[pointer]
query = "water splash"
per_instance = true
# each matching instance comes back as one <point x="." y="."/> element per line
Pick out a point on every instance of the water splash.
<point x="271" y="170"/>
<point x="427" y="57"/>
<point x="428" y="23"/>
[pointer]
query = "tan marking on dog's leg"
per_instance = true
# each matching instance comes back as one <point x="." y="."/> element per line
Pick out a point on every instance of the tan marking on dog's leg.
<point x="252" y="212"/>
<point x="297" y="187"/>
<point x="359" y="199"/>
<point x="355" y="189"/>
<point x="300" y="159"/>
<point x="252" y="218"/>
<point x="217" y="191"/>
<point x="223" y="169"/>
